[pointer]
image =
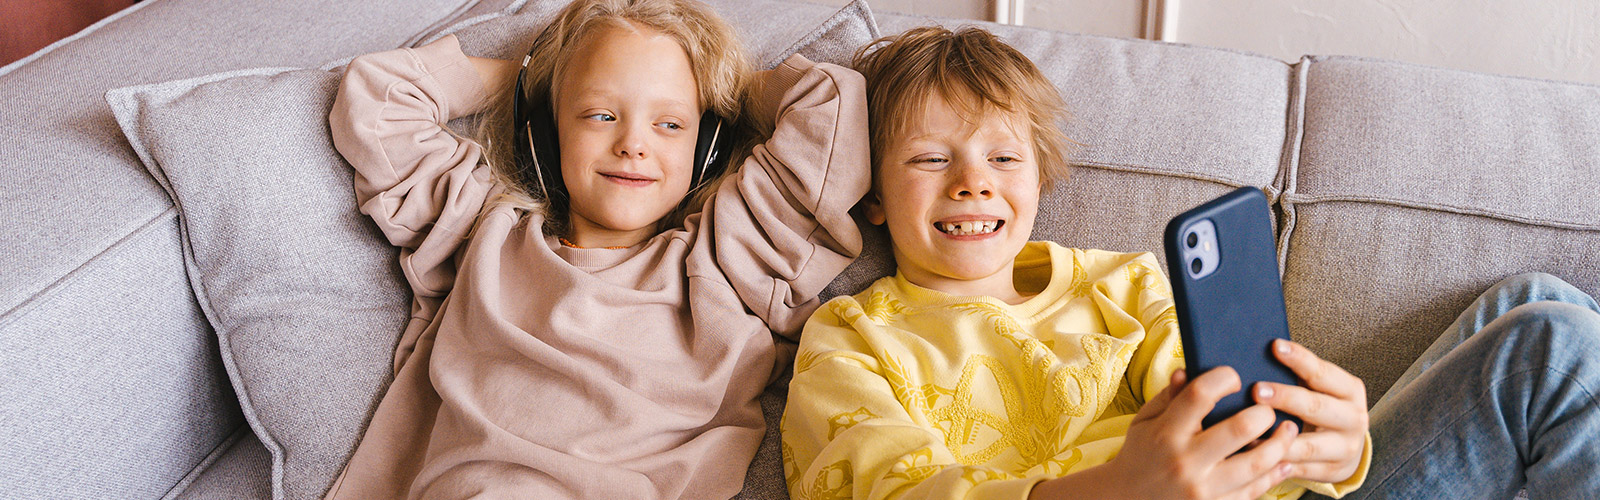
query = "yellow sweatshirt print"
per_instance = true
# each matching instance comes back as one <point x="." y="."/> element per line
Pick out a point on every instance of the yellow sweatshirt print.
<point x="905" y="392"/>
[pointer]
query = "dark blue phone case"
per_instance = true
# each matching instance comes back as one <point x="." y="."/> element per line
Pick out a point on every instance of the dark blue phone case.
<point x="1230" y="317"/>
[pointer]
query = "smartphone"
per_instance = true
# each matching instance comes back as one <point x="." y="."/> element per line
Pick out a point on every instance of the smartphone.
<point x="1222" y="260"/>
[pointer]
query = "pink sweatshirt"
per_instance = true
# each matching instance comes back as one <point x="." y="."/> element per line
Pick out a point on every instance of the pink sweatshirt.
<point x="534" y="370"/>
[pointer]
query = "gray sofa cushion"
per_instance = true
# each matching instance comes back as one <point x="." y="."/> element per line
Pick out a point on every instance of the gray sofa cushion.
<point x="112" y="384"/>
<point x="771" y="30"/>
<point x="105" y="391"/>
<point x="1419" y="187"/>
<point x="304" y="294"/>
<point x="237" y="469"/>
<point x="62" y="141"/>
<point x="1163" y="128"/>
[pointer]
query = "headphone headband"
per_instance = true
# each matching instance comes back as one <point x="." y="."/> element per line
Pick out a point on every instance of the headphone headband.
<point x="537" y="144"/>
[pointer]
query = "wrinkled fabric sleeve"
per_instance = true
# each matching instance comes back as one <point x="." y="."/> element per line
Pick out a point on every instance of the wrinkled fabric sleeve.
<point x="421" y="184"/>
<point x="846" y="434"/>
<point x="781" y="225"/>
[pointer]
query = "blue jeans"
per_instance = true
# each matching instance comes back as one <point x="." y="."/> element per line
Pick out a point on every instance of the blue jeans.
<point x="1505" y="399"/>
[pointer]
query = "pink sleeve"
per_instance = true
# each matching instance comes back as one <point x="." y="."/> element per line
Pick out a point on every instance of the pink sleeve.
<point x="782" y="224"/>
<point x="420" y="183"/>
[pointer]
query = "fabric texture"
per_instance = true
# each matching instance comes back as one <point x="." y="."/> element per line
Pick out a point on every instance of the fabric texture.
<point x="111" y="377"/>
<point x="239" y="468"/>
<point x="302" y="292"/>
<point x="513" y="332"/>
<point x="110" y="393"/>
<point x="57" y="121"/>
<point x="923" y="394"/>
<point x="1439" y="183"/>
<point x="1504" y="397"/>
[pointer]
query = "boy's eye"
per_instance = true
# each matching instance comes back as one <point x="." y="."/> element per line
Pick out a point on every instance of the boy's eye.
<point x="601" y="117"/>
<point x="670" y="125"/>
<point x="1006" y="161"/>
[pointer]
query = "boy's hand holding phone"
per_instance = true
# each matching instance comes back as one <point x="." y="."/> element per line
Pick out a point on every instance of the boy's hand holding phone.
<point x="1333" y="405"/>
<point x="1166" y="438"/>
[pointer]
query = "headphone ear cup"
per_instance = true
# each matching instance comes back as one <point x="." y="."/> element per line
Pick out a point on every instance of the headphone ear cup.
<point x="710" y="149"/>
<point x="541" y="136"/>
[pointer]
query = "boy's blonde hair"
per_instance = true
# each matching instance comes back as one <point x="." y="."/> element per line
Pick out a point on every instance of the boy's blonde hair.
<point x="717" y="59"/>
<point x="973" y="70"/>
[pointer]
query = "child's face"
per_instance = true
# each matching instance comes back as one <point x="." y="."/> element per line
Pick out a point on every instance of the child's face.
<point x="959" y="199"/>
<point x="626" y="114"/>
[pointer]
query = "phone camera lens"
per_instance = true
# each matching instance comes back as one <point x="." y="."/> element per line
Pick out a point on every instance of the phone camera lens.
<point x="1195" y="266"/>
<point x="1192" y="240"/>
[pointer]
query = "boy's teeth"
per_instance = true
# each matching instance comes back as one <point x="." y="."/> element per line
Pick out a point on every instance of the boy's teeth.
<point x="968" y="228"/>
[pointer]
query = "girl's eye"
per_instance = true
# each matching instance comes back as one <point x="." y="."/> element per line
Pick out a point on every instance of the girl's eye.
<point x="601" y="117"/>
<point x="670" y="125"/>
<point x="931" y="159"/>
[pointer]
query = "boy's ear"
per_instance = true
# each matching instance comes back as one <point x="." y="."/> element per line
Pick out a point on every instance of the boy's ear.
<point x="874" y="208"/>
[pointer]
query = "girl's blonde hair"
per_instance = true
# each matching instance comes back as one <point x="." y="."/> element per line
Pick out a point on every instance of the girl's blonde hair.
<point x="973" y="70"/>
<point x="721" y="71"/>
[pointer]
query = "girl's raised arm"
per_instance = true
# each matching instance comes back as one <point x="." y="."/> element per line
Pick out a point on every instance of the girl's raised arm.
<point x="420" y="183"/>
<point x="782" y="225"/>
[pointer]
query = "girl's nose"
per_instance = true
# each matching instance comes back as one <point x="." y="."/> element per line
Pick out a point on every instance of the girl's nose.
<point x="631" y="145"/>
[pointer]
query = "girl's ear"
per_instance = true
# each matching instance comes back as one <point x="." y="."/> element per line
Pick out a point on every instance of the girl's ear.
<point x="874" y="207"/>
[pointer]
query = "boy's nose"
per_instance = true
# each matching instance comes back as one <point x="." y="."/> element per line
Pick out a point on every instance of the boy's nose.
<point x="971" y="182"/>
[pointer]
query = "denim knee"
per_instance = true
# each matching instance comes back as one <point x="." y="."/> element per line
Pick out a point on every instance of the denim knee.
<point x="1560" y="327"/>
<point x="1534" y="287"/>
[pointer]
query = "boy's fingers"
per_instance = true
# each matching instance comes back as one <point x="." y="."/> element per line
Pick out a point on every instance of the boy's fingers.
<point x="1158" y="404"/>
<point x="1248" y="470"/>
<point x="1265" y="482"/>
<point x="1314" y="408"/>
<point x="1318" y="374"/>
<point x="1199" y="396"/>
<point x="1234" y="433"/>
<point x="1324" y="447"/>
<point x="1325" y="472"/>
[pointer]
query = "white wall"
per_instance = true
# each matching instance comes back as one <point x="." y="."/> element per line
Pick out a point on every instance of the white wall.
<point x="1557" y="39"/>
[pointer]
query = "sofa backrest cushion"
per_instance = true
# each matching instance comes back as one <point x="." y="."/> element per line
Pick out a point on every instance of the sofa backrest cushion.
<point x="1416" y="188"/>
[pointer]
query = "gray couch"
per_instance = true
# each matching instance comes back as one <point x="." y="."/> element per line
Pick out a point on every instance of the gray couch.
<point x="1401" y="192"/>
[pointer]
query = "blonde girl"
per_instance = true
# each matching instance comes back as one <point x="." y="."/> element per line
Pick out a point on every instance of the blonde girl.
<point x="608" y="340"/>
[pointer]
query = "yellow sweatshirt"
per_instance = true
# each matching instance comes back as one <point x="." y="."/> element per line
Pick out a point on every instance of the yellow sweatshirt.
<point x="905" y="392"/>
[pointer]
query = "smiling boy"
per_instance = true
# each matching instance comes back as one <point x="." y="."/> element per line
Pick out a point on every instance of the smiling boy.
<point x="990" y="366"/>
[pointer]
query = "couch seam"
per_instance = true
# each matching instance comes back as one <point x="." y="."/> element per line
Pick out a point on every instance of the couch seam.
<point x="1293" y="147"/>
<point x="1391" y="62"/>
<point x="1443" y="207"/>
<point x="424" y="38"/>
<point x="206" y="463"/>
<point x="440" y="23"/>
<point x="65" y="279"/>
<point x="1122" y="167"/>
<point x="7" y="69"/>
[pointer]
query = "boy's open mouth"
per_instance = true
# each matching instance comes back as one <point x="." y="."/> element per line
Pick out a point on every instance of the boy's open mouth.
<point x="970" y="227"/>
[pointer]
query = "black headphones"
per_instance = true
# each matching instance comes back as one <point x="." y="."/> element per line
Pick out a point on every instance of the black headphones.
<point x="538" y="153"/>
